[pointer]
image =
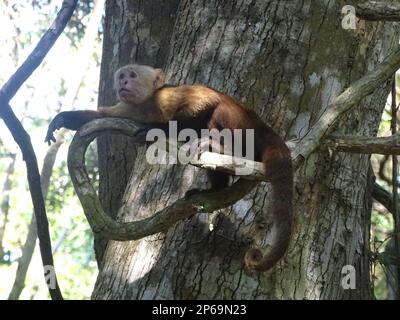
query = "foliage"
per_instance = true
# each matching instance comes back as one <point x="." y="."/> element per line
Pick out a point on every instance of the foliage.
<point x="38" y="101"/>
<point x="382" y="224"/>
<point x="77" y="24"/>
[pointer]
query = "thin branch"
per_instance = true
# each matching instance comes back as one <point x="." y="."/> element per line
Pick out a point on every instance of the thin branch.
<point x="382" y="168"/>
<point x="39" y="52"/>
<point x="101" y="223"/>
<point x="73" y="84"/>
<point x="30" y="243"/>
<point x="215" y="161"/>
<point x="22" y="138"/>
<point x="366" y="145"/>
<point x="379" y="10"/>
<point x="383" y="196"/>
<point x="225" y="163"/>
<point x="344" y="102"/>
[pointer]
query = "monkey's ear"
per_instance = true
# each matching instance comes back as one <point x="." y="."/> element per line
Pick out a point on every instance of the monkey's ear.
<point x="159" y="80"/>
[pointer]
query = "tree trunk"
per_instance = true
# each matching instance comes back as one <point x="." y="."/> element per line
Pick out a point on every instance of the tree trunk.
<point x="287" y="60"/>
<point x="133" y="31"/>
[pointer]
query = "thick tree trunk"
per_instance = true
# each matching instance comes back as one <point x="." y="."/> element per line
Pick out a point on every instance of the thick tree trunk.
<point x="134" y="31"/>
<point x="287" y="60"/>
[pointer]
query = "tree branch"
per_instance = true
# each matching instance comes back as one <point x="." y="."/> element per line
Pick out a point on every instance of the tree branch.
<point x="184" y="208"/>
<point x="39" y="52"/>
<point x="344" y="102"/>
<point x="378" y="10"/>
<point x="383" y="196"/>
<point x="216" y="161"/>
<point x="23" y="140"/>
<point x="366" y="145"/>
<point x="30" y="242"/>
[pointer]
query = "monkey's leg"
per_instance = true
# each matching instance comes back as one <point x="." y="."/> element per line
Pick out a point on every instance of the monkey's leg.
<point x="71" y="120"/>
<point x="219" y="180"/>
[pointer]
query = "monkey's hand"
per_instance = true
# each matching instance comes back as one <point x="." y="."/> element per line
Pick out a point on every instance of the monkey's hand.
<point x="55" y="124"/>
<point x="71" y="120"/>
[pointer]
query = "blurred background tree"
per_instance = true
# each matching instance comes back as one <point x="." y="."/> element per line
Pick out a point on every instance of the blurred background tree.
<point x="69" y="76"/>
<point x="383" y="269"/>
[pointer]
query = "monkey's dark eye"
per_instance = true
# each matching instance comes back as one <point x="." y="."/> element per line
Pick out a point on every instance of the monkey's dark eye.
<point x="133" y="74"/>
<point x="121" y="76"/>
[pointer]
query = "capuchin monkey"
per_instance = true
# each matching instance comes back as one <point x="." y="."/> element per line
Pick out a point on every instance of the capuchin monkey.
<point x="144" y="97"/>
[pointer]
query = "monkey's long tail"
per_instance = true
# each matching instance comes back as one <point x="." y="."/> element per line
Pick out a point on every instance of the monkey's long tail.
<point x="279" y="170"/>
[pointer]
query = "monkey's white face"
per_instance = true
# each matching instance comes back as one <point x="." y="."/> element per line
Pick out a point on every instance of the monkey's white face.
<point x="136" y="83"/>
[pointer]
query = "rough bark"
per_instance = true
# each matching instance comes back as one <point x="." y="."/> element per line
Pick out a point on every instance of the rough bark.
<point x="367" y="145"/>
<point x="379" y="10"/>
<point x="287" y="60"/>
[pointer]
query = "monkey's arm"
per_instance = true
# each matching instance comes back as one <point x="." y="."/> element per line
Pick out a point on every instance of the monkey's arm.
<point x="72" y="120"/>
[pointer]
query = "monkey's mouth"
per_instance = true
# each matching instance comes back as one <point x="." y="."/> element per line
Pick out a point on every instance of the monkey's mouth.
<point x="123" y="90"/>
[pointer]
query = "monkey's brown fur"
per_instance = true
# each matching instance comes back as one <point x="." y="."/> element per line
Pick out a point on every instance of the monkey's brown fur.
<point x="145" y="98"/>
